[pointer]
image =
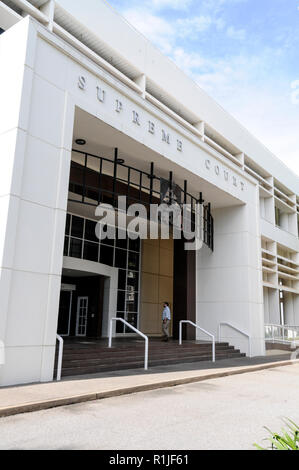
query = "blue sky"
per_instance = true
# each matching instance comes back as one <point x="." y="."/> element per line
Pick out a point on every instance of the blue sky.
<point x="244" y="53"/>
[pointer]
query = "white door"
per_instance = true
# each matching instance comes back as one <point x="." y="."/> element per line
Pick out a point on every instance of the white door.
<point x="82" y="312"/>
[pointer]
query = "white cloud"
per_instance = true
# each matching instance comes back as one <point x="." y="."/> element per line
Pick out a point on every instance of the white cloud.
<point x="188" y="62"/>
<point x="172" y="4"/>
<point x="189" y="27"/>
<point x="269" y="115"/>
<point x="238" y="34"/>
<point x="266" y="110"/>
<point x="192" y="26"/>
<point x="155" y="28"/>
<point x="241" y="83"/>
<point x="217" y="5"/>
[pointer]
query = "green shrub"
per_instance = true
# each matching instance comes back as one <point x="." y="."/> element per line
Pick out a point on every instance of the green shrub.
<point x="288" y="439"/>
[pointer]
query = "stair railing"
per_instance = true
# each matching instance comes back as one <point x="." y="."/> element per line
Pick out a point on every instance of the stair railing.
<point x="285" y="334"/>
<point x="201" y="329"/>
<point x="136" y="331"/>
<point x="60" y="354"/>
<point x="236" y="329"/>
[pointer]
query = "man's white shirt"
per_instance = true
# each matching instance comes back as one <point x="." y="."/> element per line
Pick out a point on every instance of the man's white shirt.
<point x="166" y="313"/>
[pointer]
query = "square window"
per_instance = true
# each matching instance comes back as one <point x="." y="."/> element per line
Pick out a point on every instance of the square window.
<point x="105" y="241"/>
<point x="120" y="258"/>
<point x="132" y="301"/>
<point x="119" y="325"/>
<point x="91" y="251"/>
<point x="106" y="255"/>
<point x="133" y="261"/>
<point x="68" y="224"/>
<point x="132" y="319"/>
<point x="121" y="242"/>
<point x="134" y="245"/>
<point x="133" y="280"/>
<point x="90" y="231"/>
<point x="75" y="248"/>
<point x="122" y="276"/>
<point x="77" y="227"/>
<point x="121" y="300"/>
<point x="66" y="246"/>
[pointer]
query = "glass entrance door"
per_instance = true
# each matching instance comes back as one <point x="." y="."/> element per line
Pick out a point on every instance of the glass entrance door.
<point x="82" y="313"/>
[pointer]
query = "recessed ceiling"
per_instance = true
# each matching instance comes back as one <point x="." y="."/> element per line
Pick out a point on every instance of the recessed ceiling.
<point x="102" y="139"/>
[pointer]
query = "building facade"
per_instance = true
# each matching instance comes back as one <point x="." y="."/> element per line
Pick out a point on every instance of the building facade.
<point x="87" y="116"/>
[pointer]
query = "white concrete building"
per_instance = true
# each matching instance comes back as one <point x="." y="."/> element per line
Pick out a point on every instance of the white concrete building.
<point x="61" y="81"/>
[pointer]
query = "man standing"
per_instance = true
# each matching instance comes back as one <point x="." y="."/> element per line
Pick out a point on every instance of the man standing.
<point x="166" y="317"/>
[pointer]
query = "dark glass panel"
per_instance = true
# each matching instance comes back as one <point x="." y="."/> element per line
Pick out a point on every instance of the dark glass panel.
<point x="91" y="251"/>
<point x="90" y="227"/>
<point x="77" y="226"/>
<point x="68" y="224"/>
<point x="122" y="274"/>
<point x="75" y="248"/>
<point x="134" y="245"/>
<point x="133" y="261"/>
<point x="120" y="258"/>
<point x="66" y="246"/>
<point x="132" y="280"/>
<point x="119" y="325"/>
<point x="106" y="241"/>
<point x="121" y="243"/>
<point x="132" y="301"/>
<point x="106" y="255"/>
<point x="121" y="300"/>
<point x="132" y="319"/>
<point x="64" y="313"/>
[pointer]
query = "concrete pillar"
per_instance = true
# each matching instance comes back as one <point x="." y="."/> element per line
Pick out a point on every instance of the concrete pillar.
<point x="274" y="307"/>
<point x="48" y="9"/>
<point x="36" y="144"/>
<point x="289" y="312"/>
<point x="229" y="281"/>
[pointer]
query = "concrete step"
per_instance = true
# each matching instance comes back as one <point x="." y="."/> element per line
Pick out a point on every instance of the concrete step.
<point x="89" y="358"/>
<point x="92" y="369"/>
<point x="140" y="356"/>
<point x="107" y="353"/>
<point x="157" y="345"/>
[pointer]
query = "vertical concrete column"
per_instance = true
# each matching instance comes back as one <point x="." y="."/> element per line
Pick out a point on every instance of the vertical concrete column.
<point x="289" y="311"/>
<point x="184" y="289"/>
<point x="36" y="142"/>
<point x="274" y="307"/>
<point x="141" y="82"/>
<point x="48" y="9"/>
<point x="296" y="310"/>
<point x="266" y="305"/>
<point x="229" y="281"/>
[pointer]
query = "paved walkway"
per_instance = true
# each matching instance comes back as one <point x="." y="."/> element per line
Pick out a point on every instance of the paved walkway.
<point x="224" y="413"/>
<point x="34" y="397"/>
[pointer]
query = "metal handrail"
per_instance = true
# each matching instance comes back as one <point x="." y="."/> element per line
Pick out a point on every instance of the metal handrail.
<point x="236" y="329"/>
<point x="282" y="338"/>
<point x="201" y="329"/>
<point x="60" y="354"/>
<point x="136" y="331"/>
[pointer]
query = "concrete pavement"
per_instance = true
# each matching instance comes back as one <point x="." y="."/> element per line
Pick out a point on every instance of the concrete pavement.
<point x="28" y="398"/>
<point x="224" y="413"/>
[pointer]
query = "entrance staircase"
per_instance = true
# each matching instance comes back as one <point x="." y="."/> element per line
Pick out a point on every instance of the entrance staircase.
<point x="91" y="357"/>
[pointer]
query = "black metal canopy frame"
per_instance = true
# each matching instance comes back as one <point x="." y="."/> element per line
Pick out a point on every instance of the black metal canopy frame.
<point x="100" y="180"/>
